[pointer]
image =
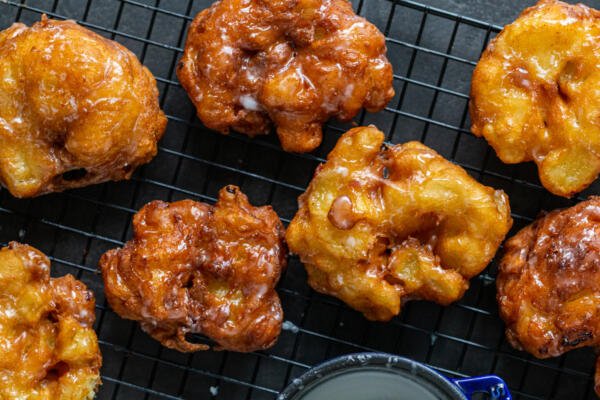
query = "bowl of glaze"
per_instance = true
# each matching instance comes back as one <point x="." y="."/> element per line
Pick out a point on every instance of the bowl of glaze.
<point x="380" y="376"/>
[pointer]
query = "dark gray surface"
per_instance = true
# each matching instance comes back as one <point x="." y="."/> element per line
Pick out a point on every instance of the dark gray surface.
<point x="433" y="70"/>
<point x="498" y="12"/>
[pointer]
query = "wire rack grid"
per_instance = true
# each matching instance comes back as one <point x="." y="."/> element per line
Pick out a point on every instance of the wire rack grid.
<point x="433" y="52"/>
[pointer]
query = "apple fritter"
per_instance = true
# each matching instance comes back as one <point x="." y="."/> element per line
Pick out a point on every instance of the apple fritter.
<point x="196" y="268"/>
<point x="294" y="64"/>
<point x="75" y="109"/>
<point x="377" y="227"/>
<point x="549" y="283"/>
<point x="48" y="347"/>
<point x="535" y="94"/>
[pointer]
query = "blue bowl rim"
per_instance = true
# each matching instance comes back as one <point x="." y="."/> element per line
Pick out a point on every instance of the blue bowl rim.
<point x="350" y="361"/>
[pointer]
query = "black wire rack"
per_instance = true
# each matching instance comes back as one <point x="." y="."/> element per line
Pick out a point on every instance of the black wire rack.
<point x="433" y="52"/>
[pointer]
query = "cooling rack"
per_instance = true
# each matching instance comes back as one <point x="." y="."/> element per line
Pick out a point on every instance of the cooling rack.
<point x="433" y="52"/>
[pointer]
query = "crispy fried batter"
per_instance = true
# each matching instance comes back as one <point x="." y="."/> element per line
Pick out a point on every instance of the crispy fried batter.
<point x="75" y="109"/>
<point x="535" y="94"/>
<point x="250" y="63"/>
<point x="549" y="283"/>
<point x="195" y="268"/>
<point x="375" y="240"/>
<point x="48" y="347"/>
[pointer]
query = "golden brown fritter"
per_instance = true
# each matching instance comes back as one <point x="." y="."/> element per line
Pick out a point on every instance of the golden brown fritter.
<point x="549" y="283"/>
<point x="252" y="63"/>
<point x="75" y="109"/>
<point x="535" y="94"/>
<point x="377" y="227"/>
<point x="48" y="347"/>
<point x="195" y="268"/>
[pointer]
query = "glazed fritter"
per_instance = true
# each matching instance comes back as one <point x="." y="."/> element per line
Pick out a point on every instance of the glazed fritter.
<point x="377" y="227"/>
<point x="75" y="109"/>
<point x="535" y="94"/>
<point x="48" y="347"/>
<point x="549" y="283"/>
<point x="196" y="268"/>
<point x="250" y="64"/>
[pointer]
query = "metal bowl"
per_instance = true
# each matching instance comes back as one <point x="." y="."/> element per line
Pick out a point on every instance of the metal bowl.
<point x="380" y="376"/>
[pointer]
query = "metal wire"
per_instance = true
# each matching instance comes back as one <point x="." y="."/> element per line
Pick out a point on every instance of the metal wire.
<point x="434" y="52"/>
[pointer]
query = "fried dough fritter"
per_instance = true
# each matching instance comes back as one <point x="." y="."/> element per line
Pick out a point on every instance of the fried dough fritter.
<point x="549" y="283"/>
<point x="48" y="347"/>
<point x="535" y="94"/>
<point x="377" y="227"/>
<point x="196" y="268"/>
<point x="250" y="63"/>
<point x="75" y="109"/>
